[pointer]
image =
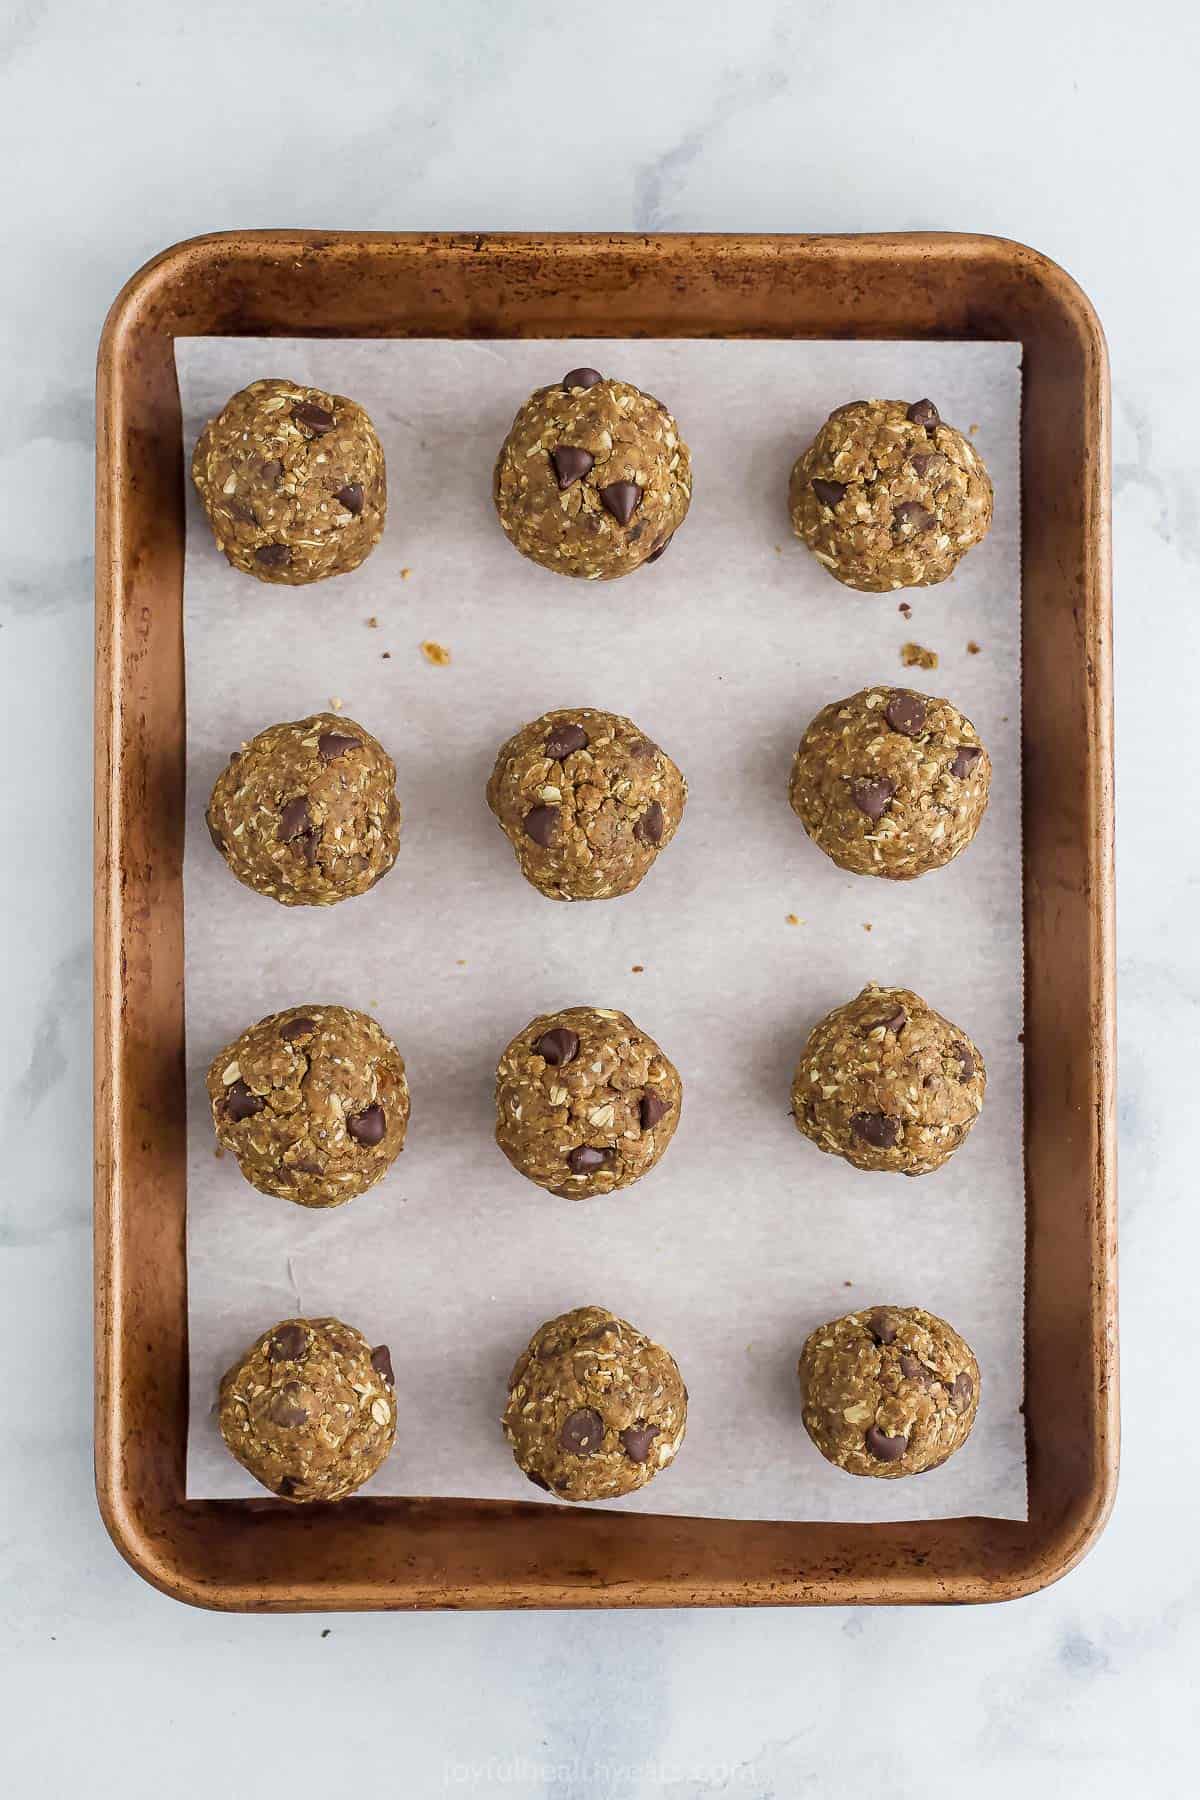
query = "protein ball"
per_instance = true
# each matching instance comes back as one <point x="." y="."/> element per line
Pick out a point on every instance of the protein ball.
<point x="310" y="1409"/>
<point x="313" y="1102"/>
<point x="888" y="1392"/>
<point x="293" y="482"/>
<point x="888" y="1083"/>
<point x="595" y="1409"/>
<point x="890" y="782"/>
<point x="593" y="479"/>
<point x="887" y="496"/>
<point x="587" y="802"/>
<point x="307" y="812"/>
<point x="585" y="1102"/>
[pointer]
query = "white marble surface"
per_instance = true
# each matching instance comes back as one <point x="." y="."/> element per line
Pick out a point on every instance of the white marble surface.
<point x="128" y="125"/>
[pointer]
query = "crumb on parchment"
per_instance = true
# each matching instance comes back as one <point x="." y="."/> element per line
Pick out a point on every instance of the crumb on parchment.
<point x="973" y="648"/>
<point x="792" y="919"/>
<point x="404" y="574"/>
<point x="437" y="654"/>
<point x="336" y="703"/>
<point x="905" y="608"/>
<point x="916" y="656"/>
<point x="373" y="623"/>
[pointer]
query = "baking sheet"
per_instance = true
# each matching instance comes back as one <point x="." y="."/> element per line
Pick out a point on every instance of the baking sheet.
<point x="745" y="1237"/>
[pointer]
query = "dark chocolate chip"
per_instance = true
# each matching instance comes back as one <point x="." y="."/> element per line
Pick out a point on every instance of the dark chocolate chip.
<point x="351" y="497"/>
<point x="288" y="1344"/>
<point x="924" y="412"/>
<point x="284" y="1409"/>
<point x="581" y="378"/>
<point x="880" y="1130"/>
<point x="896" y="1020"/>
<point x="585" y="1159"/>
<point x="966" y="1062"/>
<point x="307" y="1168"/>
<point x="882" y="1326"/>
<point x="565" y="739"/>
<point x="650" y="826"/>
<point x="538" y="1481"/>
<point x="965" y="759"/>
<point x="271" y="471"/>
<point x="621" y="499"/>
<point x="582" y="1432"/>
<point x="241" y="509"/>
<point x="914" y="1370"/>
<point x="295" y="818"/>
<point x="872" y="797"/>
<point x="332" y="744"/>
<point x="911" y="516"/>
<point x="905" y="712"/>
<point x="381" y="1362"/>
<point x="661" y="551"/>
<point x="273" y="556"/>
<point x="637" y="1439"/>
<point x="367" y="1127"/>
<point x="570" y="464"/>
<point x="557" y="1046"/>
<point x="652" y="1109"/>
<point x="884" y="1448"/>
<point x="313" y="418"/>
<point x="848" y="407"/>
<point x="288" y="1485"/>
<point x="241" y="1103"/>
<point x="921" y="460"/>
<point x="962" y="1393"/>
<point x="541" y="824"/>
<point x="599" y="1331"/>
<point x="828" y="492"/>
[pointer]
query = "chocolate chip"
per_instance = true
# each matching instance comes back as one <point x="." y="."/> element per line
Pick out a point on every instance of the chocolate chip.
<point x="661" y="551"/>
<point x="581" y="378"/>
<point x="288" y="1344"/>
<point x="570" y="464"/>
<point x="295" y="818"/>
<point x="271" y="471"/>
<point x="538" y="1481"/>
<point x="924" y="412"/>
<point x="905" y="712"/>
<point x="241" y="1103"/>
<point x="381" y="1362"/>
<point x="896" y="1020"/>
<point x="273" y="556"/>
<point x="965" y="759"/>
<point x="962" y="1393"/>
<point x="884" y="1448"/>
<point x="921" y="460"/>
<point x="240" y="509"/>
<point x="313" y="418"/>
<point x="307" y="1168"/>
<point x="564" y="740"/>
<point x="966" y="1062"/>
<point x="882" y="1326"/>
<point x="283" y="1408"/>
<point x="872" y="797"/>
<point x="557" y="1046"/>
<point x="351" y="497"/>
<point x="913" y="1370"/>
<point x="637" y="1439"/>
<point x="332" y="744"/>
<point x="367" y="1127"/>
<point x="621" y="499"/>
<point x="880" y="1130"/>
<point x="650" y="826"/>
<point x="585" y="1159"/>
<point x="911" y="516"/>
<point x="582" y="1432"/>
<point x="288" y="1485"/>
<point x="828" y="492"/>
<point x="652" y="1109"/>
<point x="541" y="824"/>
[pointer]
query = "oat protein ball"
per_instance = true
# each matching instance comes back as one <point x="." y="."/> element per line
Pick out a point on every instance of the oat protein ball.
<point x="595" y="1409"/>
<point x="310" y="1409"/>
<point x="307" y="812"/>
<point x="887" y="1083"/>
<point x="593" y="479"/>
<point x="887" y="496"/>
<point x="585" y="1102"/>
<point x="293" y="482"/>
<point x="890" y="782"/>
<point x="888" y="1392"/>
<point x="587" y="802"/>
<point x="313" y="1102"/>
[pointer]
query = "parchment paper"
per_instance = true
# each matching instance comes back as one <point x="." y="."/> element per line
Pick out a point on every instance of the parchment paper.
<point x="745" y="1237"/>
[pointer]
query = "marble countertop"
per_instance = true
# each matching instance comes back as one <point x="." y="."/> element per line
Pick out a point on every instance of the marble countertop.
<point x="126" y="127"/>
